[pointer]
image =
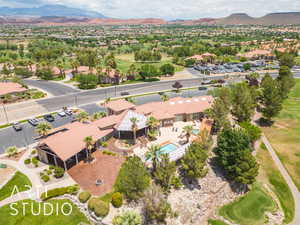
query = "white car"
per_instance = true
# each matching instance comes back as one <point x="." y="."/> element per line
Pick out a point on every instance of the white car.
<point x="62" y="114"/>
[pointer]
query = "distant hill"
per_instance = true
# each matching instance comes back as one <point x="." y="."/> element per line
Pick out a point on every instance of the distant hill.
<point x="237" y="18"/>
<point x="269" y="19"/>
<point x="49" y="10"/>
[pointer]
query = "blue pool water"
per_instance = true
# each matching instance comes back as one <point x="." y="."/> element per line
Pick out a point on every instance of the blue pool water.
<point x="168" y="148"/>
<point x="196" y="131"/>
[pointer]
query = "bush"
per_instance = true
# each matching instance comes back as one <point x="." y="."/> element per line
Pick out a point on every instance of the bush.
<point x="129" y="217"/>
<point x="58" y="172"/>
<point x="45" y="178"/>
<point x="84" y="196"/>
<point x="11" y="151"/>
<point x="35" y="161"/>
<point x="99" y="207"/>
<point x="59" y="191"/>
<point x="104" y="144"/>
<point x="33" y="152"/>
<point x="105" y="152"/>
<point x="27" y="161"/>
<point x="117" y="199"/>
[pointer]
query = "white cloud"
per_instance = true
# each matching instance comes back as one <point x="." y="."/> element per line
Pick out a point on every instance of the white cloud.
<point x="172" y="9"/>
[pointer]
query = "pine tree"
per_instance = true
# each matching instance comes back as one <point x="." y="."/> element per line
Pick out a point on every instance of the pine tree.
<point x="271" y="97"/>
<point x="286" y="81"/>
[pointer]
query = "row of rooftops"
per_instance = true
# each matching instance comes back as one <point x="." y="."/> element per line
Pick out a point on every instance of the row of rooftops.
<point x="66" y="141"/>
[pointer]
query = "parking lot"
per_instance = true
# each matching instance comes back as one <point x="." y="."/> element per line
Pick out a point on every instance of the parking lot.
<point x="235" y="67"/>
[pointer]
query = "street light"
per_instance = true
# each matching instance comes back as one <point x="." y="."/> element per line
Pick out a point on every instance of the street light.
<point x="5" y="112"/>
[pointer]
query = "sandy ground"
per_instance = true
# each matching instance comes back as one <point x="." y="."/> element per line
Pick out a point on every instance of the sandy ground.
<point x="6" y="173"/>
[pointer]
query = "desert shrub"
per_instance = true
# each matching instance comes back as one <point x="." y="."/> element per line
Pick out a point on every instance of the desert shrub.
<point x="33" y="152"/>
<point x="106" y="152"/>
<point x="11" y="151"/>
<point x="45" y="178"/>
<point x="117" y="199"/>
<point x="84" y="196"/>
<point x="99" y="207"/>
<point x="27" y="161"/>
<point x="58" y="172"/>
<point x="35" y="161"/>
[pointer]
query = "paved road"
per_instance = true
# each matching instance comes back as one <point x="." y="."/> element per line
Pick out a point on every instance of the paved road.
<point x="54" y="88"/>
<point x="287" y="178"/>
<point x="9" y="137"/>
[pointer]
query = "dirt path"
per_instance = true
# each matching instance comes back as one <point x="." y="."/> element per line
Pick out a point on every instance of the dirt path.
<point x="287" y="178"/>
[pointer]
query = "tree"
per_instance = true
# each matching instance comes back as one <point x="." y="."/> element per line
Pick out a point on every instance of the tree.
<point x="87" y="81"/>
<point x="153" y="154"/>
<point x="11" y="151"/>
<point x="134" y="127"/>
<point x="243" y="104"/>
<point x="177" y="86"/>
<point x="98" y="115"/>
<point x="254" y="132"/>
<point x="287" y="60"/>
<point x="194" y="161"/>
<point x="188" y="132"/>
<point x="271" y="98"/>
<point x="128" y="218"/>
<point x="156" y="206"/>
<point x="167" y="69"/>
<point x="148" y="71"/>
<point x="82" y="117"/>
<point x="89" y="145"/>
<point x="204" y="139"/>
<point x="133" y="178"/>
<point x="285" y="80"/>
<point x="219" y="113"/>
<point x="234" y="156"/>
<point x="164" y="97"/>
<point x="43" y="129"/>
<point x="165" y="172"/>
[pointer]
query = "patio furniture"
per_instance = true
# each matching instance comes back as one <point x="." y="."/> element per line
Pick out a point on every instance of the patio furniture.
<point x="99" y="182"/>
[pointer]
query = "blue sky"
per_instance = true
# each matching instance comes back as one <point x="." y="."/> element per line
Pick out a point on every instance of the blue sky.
<point x="169" y="9"/>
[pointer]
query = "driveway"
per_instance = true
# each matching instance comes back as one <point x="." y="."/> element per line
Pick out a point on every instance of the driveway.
<point x="54" y="88"/>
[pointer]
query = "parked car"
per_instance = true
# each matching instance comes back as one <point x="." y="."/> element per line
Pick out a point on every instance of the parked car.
<point x="124" y="93"/>
<point x="202" y="88"/>
<point x="49" y="118"/>
<point x="34" y="122"/>
<point x="62" y="113"/>
<point x="69" y="112"/>
<point x="17" y="126"/>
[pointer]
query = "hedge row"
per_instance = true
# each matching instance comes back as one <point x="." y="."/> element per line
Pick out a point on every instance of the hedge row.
<point x="59" y="191"/>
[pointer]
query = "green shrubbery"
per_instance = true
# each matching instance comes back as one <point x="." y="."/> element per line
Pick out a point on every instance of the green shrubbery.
<point x="27" y="161"/>
<point x="35" y="161"/>
<point x="58" y="172"/>
<point x="59" y="191"/>
<point x="117" y="199"/>
<point x="84" y="196"/>
<point x="45" y="178"/>
<point x="99" y="207"/>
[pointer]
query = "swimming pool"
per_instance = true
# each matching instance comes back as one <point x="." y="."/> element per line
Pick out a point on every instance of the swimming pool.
<point x="165" y="149"/>
<point x="196" y="131"/>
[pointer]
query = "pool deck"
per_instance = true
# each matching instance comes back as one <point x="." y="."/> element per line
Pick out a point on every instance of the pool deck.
<point x="168" y="136"/>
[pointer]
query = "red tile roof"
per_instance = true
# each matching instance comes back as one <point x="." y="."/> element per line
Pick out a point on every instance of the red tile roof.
<point x="119" y="105"/>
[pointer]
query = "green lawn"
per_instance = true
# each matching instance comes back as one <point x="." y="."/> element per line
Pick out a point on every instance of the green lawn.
<point x="19" y="180"/>
<point x="284" y="135"/>
<point x="125" y="60"/>
<point x="270" y="174"/>
<point x="249" y="209"/>
<point x="216" y="222"/>
<point x="41" y="219"/>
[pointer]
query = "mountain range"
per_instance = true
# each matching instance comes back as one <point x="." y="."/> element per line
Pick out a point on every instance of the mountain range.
<point x="63" y="15"/>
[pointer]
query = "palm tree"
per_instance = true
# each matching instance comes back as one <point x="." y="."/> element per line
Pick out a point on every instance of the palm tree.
<point x="43" y="129"/>
<point x="164" y="97"/>
<point x="152" y="122"/>
<point x="89" y="145"/>
<point x="153" y="154"/>
<point x="82" y="117"/>
<point x="134" y="127"/>
<point x="188" y="132"/>
<point x="98" y="115"/>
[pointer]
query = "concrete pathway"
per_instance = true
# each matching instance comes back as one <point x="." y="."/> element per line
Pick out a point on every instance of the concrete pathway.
<point x="37" y="186"/>
<point x="287" y="178"/>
